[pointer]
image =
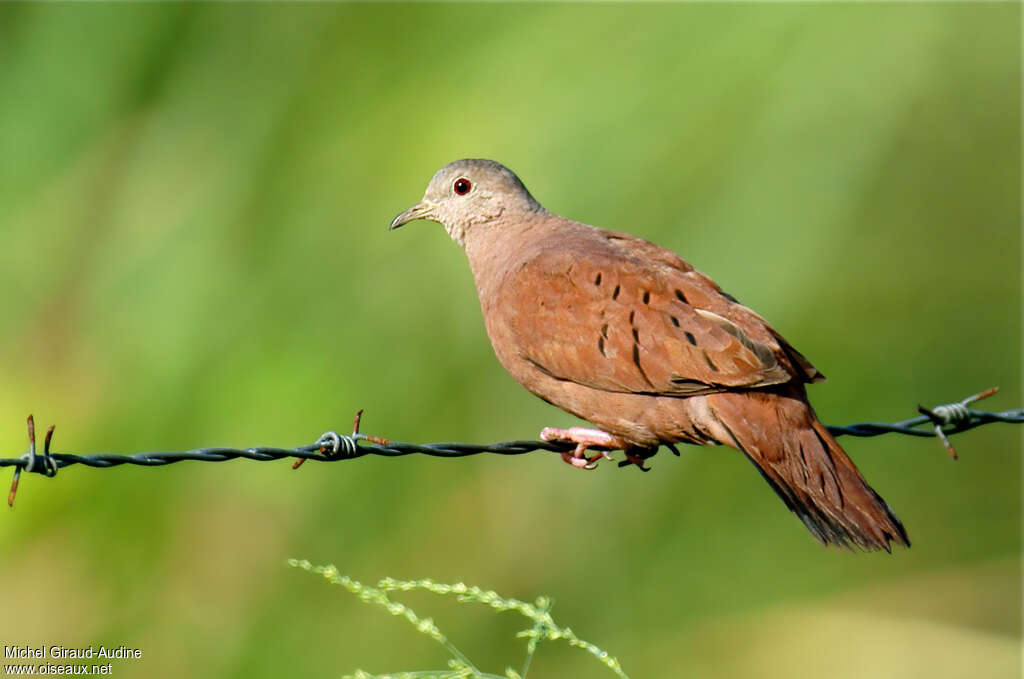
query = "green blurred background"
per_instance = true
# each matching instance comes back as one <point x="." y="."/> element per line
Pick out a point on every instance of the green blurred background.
<point x="194" y="202"/>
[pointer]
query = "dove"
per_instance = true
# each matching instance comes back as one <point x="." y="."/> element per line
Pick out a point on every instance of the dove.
<point x="628" y="336"/>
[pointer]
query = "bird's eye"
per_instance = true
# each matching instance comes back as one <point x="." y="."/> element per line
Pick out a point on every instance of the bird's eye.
<point x="462" y="186"/>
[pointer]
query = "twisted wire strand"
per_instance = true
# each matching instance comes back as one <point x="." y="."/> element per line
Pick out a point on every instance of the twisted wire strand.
<point x="331" y="447"/>
<point x="912" y="427"/>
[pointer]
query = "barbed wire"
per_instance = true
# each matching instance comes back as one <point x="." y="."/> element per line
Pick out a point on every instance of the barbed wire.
<point x="941" y="422"/>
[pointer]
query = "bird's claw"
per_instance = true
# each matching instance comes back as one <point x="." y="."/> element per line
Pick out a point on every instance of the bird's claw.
<point x="577" y="460"/>
<point x="638" y="460"/>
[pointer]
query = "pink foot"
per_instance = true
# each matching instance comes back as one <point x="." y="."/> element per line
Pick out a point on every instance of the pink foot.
<point x="583" y="438"/>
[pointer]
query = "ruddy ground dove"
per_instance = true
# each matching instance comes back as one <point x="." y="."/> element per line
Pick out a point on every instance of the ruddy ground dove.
<point x="628" y="336"/>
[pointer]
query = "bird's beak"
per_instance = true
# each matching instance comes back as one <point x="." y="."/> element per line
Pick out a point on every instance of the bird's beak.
<point x="421" y="210"/>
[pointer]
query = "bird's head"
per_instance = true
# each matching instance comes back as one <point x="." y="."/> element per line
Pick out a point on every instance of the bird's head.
<point x="467" y="194"/>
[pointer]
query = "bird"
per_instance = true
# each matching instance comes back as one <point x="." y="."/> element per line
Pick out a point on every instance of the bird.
<point x="631" y="338"/>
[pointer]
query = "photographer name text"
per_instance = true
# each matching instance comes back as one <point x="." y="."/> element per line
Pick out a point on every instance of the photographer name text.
<point x="69" y="653"/>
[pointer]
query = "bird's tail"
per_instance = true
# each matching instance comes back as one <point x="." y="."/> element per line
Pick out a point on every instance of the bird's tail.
<point x="802" y="462"/>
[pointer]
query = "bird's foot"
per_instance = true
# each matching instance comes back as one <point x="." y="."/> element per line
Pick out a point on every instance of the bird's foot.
<point x="638" y="456"/>
<point x="583" y="438"/>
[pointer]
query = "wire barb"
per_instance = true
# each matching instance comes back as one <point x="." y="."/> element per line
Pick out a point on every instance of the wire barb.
<point x="938" y="422"/>
<point x="28" y="460"/>
<point x="333" y="445"/>
<point x="954" y="415"/>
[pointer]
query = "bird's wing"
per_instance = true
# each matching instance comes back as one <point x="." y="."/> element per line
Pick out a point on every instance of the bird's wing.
<point x="704" y="293"/>
<point x="616" y="322"/>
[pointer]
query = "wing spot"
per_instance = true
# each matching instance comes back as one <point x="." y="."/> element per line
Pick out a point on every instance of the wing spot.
<point x="647" y="297"/>
<point x="604" y="331"/>
<point x="615" y="293"/>
<point x="681" y="296"/>
<point x="636" y="361"/>
<point x="684" y="382"/>
<point x="597" y="281"/>
<point x="636" y="336"/>
<point x="689" y="337"/>
<point x="675" y="321"/>
<point x="711" y="365"/>
<point x="541" y="368"/>
<point x="632" y="315"/>
<point x="600" y="345"/>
